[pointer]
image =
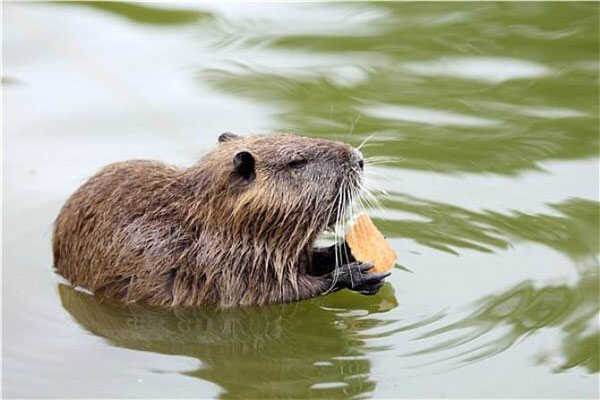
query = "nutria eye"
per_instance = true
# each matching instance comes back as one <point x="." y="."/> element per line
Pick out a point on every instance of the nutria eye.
<point x="297" y="163"/>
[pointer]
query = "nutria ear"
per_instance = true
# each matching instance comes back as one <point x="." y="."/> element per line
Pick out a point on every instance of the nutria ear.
<point x="243" y="163"/>
<point x="227" y="136"/>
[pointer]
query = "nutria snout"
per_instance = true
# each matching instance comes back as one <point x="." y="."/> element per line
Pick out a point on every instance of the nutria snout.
<point x="236" y="228"/>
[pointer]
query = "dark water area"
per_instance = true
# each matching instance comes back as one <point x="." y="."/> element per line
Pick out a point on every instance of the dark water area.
<point x="480" y="121"/>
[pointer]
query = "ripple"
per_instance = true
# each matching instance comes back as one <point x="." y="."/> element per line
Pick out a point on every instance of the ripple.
<point x="503" y="319"/>
<point x="328" y="385"/>
<point x="322" y="364"/>
<point x="427" y="116"/>
<point x="485" y="69"/>
<point x="535" y="111"/>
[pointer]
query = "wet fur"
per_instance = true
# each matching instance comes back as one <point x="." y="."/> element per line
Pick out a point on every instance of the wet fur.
<point x="144" y="231"/>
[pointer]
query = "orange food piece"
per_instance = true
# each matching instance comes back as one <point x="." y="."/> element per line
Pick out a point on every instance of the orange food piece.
<point x="368" y="245"/>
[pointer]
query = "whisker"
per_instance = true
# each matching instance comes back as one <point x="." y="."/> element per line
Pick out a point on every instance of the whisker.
<point x="371" y="199"/>
<point x="337" y="252"/>
<point x="365" y="141"/>
<point x="354" y="123"/>
<point x="345" y="215"/>
<point x="345" y="222"/>
<point x="382" y="160"/>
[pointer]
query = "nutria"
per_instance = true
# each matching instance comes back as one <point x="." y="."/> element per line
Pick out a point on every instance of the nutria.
<point x="236" y="228"/>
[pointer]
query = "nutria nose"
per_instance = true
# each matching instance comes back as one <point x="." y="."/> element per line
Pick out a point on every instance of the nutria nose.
<point x="357" y="158"/>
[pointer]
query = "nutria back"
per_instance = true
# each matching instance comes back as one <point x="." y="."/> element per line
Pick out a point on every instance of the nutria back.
<point x="236" y="228"/>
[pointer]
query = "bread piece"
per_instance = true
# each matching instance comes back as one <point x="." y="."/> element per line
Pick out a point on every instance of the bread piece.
<point x="368" y="245"/>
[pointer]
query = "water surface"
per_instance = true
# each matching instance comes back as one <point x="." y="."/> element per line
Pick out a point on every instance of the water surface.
<point x="481" y="121"/>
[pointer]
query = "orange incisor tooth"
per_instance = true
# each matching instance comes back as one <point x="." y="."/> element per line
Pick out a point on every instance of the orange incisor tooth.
<point x="368" y="245"/>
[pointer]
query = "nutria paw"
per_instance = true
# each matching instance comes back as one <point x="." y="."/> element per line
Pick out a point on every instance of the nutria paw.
<point x="354" y="277"/>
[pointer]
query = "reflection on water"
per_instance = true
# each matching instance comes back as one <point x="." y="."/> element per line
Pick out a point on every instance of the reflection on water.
<point x="144" y="14"/>
<point x="489" y="70"/>
<point x="524" y="309"/>
<point x="438" y="109"/>
<point x="574" y="232"/>
<point x="481" y="122"/>
<point x="272" y="347"/>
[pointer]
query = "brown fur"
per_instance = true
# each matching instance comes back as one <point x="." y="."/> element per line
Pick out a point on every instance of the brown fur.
<point x="143" y="231"/>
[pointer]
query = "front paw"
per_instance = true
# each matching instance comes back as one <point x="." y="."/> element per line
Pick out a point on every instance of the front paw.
<point x="354" y="276"/>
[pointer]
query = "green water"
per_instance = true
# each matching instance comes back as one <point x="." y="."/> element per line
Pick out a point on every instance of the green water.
<point x="481" y="121"/>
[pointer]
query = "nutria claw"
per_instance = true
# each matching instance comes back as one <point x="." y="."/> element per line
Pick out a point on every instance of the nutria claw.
<point x="354" y="277"/>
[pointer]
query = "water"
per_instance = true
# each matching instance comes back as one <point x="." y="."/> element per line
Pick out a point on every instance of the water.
<point x="484" y="125"/>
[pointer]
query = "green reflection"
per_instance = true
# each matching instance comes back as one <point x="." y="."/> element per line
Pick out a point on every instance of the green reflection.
<point x="575" y="232"/>
<point x="528" y="307"/>
<point x="541" y="104"/>
<point x="525" y="309"/>
<point x="144" y="14"/>
<point x="268" y="352"/>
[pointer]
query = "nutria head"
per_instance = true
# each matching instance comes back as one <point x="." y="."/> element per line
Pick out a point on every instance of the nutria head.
<point x="278" y="192"/>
